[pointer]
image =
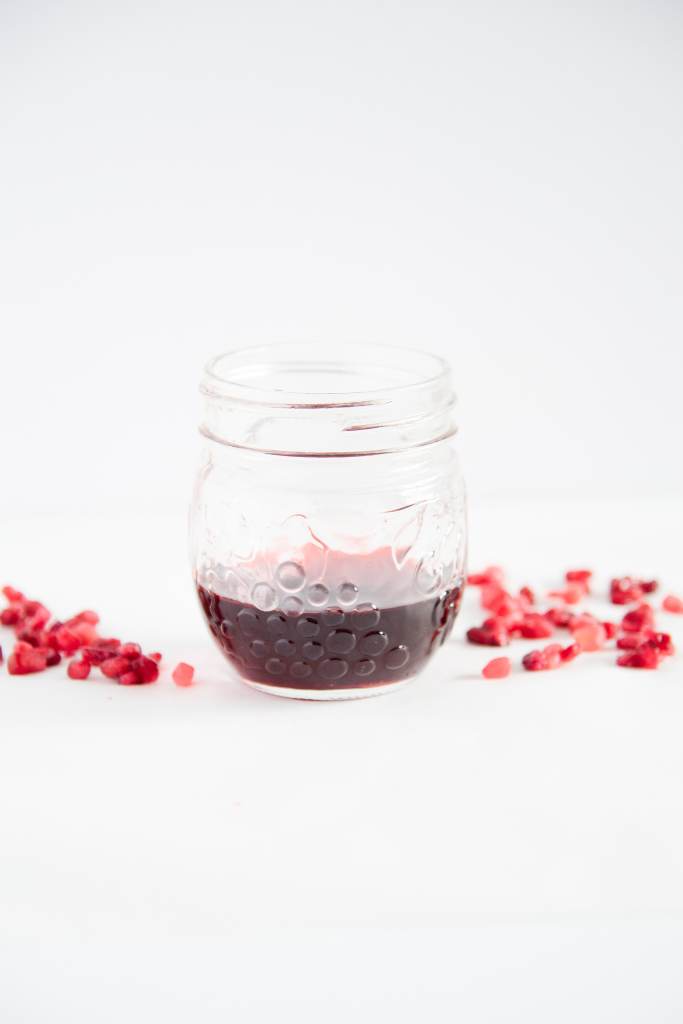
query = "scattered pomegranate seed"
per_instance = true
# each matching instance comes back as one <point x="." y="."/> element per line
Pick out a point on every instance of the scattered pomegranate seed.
<point x="534" y="661"/>
<point x="571" y="594"/>
<point x="643" y="657"/>
<point x="578" y="575"/>
<point x="589" y="637"/>
<point x="611" y="629"/>
<point x="155" y="656"/>
<point x="488" y="636"/>
<point x="114" y="667"/>
<point x="562" y="618"/>
<point x="78" y="669"/>
<point x="673" y="604"/>
<point x="493" y="574"/>
<point x="535" y="627"/>
<point x="130" y="650"/>
<point x="662" y="642"/>
<point x="527" y="594"/>
<point x="25" y="659"/>
<point x="571" y="652"/>
<point x="183" y="674"/>
<point x="625" y="590"/>
<point x="129" y="679"/>
<point x="638" y="619"/>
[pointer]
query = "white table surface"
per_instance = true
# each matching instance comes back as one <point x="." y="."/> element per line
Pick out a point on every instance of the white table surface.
<point x="460" y="849"/>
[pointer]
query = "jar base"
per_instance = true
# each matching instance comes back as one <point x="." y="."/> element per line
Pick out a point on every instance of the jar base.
<point x="350" y="693"/>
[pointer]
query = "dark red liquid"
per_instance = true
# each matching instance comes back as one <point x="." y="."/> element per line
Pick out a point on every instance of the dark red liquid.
<point x="333" y="648"/>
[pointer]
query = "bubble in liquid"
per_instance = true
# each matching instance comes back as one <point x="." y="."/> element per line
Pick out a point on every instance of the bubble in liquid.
<point x="247" y="620"/>
<point x="275" y="666"/>
<point x="292" y="605"/>
<point x="258" y="648"/>
<point x="374" y="643"/>
<point x="312" y="650"/>
<point x="367" y="616"/>
<point x="341" y="641"/>
<point x="364" y="667"/>
<point x="264" y="597"/>
<point x="318" y="595"/>
<point x="333" y="668"/>
<point x="290" y="576"/>
<point x="397" y="657"/>
<point x="277" y="624"/>
<point x="285" y="648"/>
<point x="300" y="669"/>
<point x="307" y="627"/>
<point x="347" y="593"/>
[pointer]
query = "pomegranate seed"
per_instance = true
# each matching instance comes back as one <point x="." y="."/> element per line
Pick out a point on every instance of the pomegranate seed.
<point x="527" y="594"/>
<point x="649" y="586"/>
<point x="130" y="650"/>
<point x="11" y="616"/>
<point x="114" y="667"/>
<point x="183" y="673"/>
<point x="638" y="619"/>
<point x="488" y="636"/>
<point x="95" y="655"/>
<point x="673" y="604"/>
<point x="52" y="657"/>
<point x="92" y="618"/>
<point x="560" y="617"/>
<point x="572" y="594"/>
<point x="535" y="626"/>
<point x="129" y="678"/>
<point x="1" y="656"/>
<point x="12" y="595"/>
<point x="78" y="670"/>
<point x="108" y="643"/>
<point x="155" y="656"/>
<point x="146" y="669"/>
<point x="553" y="655"/>
<point x="494" y="574"/>
<point x="643" y="657"/>
<point x="498" y="668"/>
<point x="589" y="637"/>
<point x="625" y="590"/>
<point x="662" y="642"/>
<point x="630" y="641"/>
<point x="534" y="661"/>
<point x="66" y="640"/>
<point x="611" y="629"/>
<point x="571" y="652"/>
<point x="578" y="575"/>
<point x="86" y="633"/>
<point x="25" y="659"/>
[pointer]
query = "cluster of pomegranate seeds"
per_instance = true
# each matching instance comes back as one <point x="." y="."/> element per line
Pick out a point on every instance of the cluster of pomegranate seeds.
<point x="42" y="641"/>
<point x="513" y="616"/>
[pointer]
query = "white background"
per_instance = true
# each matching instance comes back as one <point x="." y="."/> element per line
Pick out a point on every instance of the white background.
<point x="496" y="182"/>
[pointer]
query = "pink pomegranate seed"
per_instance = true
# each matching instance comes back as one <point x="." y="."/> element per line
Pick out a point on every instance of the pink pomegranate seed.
<point x="590" y="637"/>
<point x="644" y="657"/>
<point x="488" y="636"/>
<point x="571" y="594"/>
<point x="129" y="679"/>
<point x="638" y="619"/>
<point x="183" y="673"/>
<point x="673" y="604"/>
<point x="155" y="656"/>
<point x="86" y="633"/>
<point x="114" y="667"/>
<point x="130" y="650"/>
<point x="527" y="594"/>
<point x="534" y="661"/>
<point x="630" y="641"/>
<point x="571" y="652"/>
<point x="78" y="670"/>
<point x="535" y="626"/>
<point x="578" y="575"/>
<point x="12" y="595"/>
<point x="552" y="655"/>
<point x="498" y="668"/>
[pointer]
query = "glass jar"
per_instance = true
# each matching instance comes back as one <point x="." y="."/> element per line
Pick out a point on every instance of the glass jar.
<point x="328" y="529"/>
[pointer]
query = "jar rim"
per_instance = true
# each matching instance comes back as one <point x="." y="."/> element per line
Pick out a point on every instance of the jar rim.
<point x="257" y="374"/>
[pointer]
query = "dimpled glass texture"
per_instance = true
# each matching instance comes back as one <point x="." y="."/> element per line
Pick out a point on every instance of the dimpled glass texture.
<point x="328" y="528"/>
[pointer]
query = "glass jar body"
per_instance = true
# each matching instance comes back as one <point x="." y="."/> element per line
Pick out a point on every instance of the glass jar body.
<point x="326" y="576"/>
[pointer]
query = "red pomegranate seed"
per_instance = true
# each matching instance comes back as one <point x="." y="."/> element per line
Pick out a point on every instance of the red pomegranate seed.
<point x="155" y="656"/>
<point x="553" y="655"/>
<point x="130" y="650"/>
<point x="578" y="575"/>
<point x="12" y="595"/>
<point x="494" y="574"/>
<point x="129" y="678"/>
<point x="78" y="670"/>
<point x="643" y="657"/>
<point x="183" y="674"/>
<point x="560" y="617"/>
<point x="66" y="640"/>
<point x="673" y="604"/>
<point x="25" y="659"/>
<point x="114" y="667"/>
<point x="630" y="641"/>
<point x="611" y="629"/>
<point x="534" y="661"/>
<point x="52" y="657"/>
<point x="146" y="669"/>
<point x="527" y="594"/>
<point x="571" y="594"/>
<point x="571" y="652"/>
<point x="625" y="590"/>
<point x="662" y="642"/>
<point x="535" y="626"/>
<point x="92" y="618"/>
<point x="11" y="616"/>
<point x="638" y="619"/>
<point x="488" y="636"/>
<point x="649" y="586"/>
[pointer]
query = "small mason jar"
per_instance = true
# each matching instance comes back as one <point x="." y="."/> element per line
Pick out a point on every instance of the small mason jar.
<point x="328" y="530"/>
